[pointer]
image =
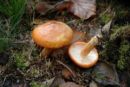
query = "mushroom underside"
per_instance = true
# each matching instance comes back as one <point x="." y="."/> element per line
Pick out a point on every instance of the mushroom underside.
<point x="87" y="61"/>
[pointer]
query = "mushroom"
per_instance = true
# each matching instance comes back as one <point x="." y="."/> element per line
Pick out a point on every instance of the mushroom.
<point x="52" y="35"/>
<point x="84" y="54"/>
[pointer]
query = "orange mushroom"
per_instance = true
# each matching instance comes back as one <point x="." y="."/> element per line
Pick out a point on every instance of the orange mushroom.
<point x="84" y="54"/>
<point x="52" y="34"/>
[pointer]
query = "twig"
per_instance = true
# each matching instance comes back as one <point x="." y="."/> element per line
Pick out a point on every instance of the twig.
<point x="58" y="61"/>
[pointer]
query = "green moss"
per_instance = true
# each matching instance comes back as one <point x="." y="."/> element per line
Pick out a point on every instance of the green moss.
<point x="121" y="11"/>
<point x="117" y="49"/>
<point x="120" y="32"/>
<point x="37" y="84"/>
<point x="121" y="64"/>
<point x="21" y="60"/>
<point x="124" y="51"/>
<point x="34" y="72"/>
<point x="111" y="48"/>
<point x="105" y="18"/>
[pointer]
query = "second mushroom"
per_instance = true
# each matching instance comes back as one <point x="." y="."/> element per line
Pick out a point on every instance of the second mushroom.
<point x="84" y="54"/>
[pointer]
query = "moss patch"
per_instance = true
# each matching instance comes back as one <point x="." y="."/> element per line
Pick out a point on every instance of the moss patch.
<point x="124" y="56"/>
<point x="117" y="49"/>
<point x="37" y="84"/>
<point x="21" y="60"/>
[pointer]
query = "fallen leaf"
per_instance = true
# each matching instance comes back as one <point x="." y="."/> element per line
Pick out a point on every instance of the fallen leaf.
<point x="42" y="7"/>
<point x="105" y="31"/>
<point x="78" y="36"/>
<point x="84" y="9"/>
<point x="105" y="74"/>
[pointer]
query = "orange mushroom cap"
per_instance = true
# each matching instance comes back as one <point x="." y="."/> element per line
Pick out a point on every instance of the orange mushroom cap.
<point x="75" y="55"/>
<point x="52" y="34"/>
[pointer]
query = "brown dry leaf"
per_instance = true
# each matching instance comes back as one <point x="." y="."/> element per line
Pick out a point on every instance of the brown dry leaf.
<point x="83" y="8"/>
<point x="78" y="36"/>
<point x="42" y="7"/>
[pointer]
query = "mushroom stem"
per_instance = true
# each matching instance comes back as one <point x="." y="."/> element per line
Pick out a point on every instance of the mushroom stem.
<point x="45" y="52"/>
<point x="89" y="46"/>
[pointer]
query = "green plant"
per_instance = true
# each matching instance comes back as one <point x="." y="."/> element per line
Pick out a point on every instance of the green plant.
<point x="117" y="49"/>
<point x="21" y="60"/>
<point x="4" y="44"/>
<point x="14" y="10"/>
<point x="124" y="51"/>
<point x="105" y="18"/>
<point x="37" y="84"/>
<point x="120" y="32"/>
<point x="4" y="40"/>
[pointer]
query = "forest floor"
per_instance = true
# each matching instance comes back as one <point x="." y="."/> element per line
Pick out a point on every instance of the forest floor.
<point x="21" y="64"/>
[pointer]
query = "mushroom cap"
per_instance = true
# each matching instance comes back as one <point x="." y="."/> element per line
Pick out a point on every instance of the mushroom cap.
<point x="75" y="55"/>
<point x="52" y="34"/>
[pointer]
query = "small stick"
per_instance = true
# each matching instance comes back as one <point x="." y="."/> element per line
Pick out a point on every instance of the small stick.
<point x="66" y="67"/>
